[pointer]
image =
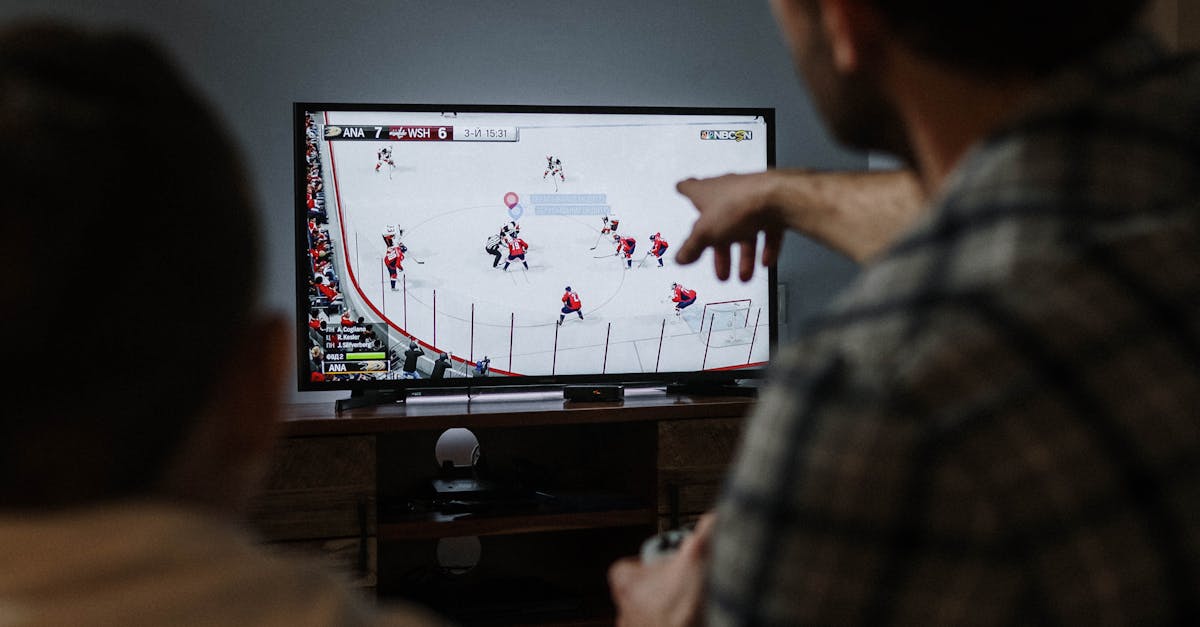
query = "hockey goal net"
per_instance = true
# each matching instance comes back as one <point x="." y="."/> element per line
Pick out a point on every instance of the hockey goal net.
<point x="725" y="315"/>
<point x="726" y="323"/>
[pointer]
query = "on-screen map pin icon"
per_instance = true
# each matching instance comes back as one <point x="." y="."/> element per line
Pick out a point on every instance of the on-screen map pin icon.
<point x="513" y="202"/>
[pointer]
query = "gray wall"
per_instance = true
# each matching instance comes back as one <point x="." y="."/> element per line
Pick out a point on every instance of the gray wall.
<point x="254" y="58"/>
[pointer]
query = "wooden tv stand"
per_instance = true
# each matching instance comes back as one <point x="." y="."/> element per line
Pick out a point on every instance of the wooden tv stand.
<point x="589" y="482"/>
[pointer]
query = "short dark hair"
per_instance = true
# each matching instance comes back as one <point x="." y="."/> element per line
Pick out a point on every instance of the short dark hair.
<point x="101" y="130"/>
<point x="1008" y="36"/>
<point x="1005" y="37"/>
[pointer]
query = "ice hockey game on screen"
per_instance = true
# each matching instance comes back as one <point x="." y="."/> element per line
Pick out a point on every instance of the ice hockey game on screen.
<point x="495" y="244"/>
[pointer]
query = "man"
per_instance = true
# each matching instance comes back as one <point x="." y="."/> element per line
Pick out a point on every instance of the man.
<point x="329" y="294"/>
<point x="393" y="260"/>
<point x="571" y="304"/>
<point x="625" y="245"/>
<point x="516" y="250"/>
<point x="996" y="424"/>
<point x="410" y="360"/>
<point x="492" y="247"/>
<point x="659" y="248"/>
<point x="440" y="366"/>
<point x="120" y="480"/>
<point x="682" y="297"/>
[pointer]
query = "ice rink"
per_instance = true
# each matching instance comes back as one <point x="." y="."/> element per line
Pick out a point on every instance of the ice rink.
<point x="448" y="197"/>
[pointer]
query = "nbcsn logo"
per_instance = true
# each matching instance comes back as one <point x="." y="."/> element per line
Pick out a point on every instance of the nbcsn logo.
<point x="736" y="136"/>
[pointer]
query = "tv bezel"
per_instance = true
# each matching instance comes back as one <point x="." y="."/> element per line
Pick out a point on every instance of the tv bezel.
<point x="302" y="256"/>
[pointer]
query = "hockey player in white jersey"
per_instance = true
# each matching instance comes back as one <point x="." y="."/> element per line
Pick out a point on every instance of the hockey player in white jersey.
<point x="383" y="157"/>
<point x="553" y="168"/>
<point x="392" y="236"/>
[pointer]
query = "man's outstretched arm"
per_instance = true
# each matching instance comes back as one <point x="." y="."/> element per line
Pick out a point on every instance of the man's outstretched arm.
<point x="856" y="213"/>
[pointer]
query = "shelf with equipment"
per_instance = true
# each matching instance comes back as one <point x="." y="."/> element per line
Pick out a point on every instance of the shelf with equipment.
<point x="559" y="491"/>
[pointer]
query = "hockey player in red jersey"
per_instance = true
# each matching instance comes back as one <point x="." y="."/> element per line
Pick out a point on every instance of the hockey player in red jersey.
<point x="516" y="250"/>
<point x="625" y="245"/>
<point x="393" y="259"/>
<point x="324" y="291"/>
<point x="320" y="250"/>
<point x="571" y="304"/>
<point x="349" y="321"/>
<point x="682" y="297"/>
<point x="659" y="247"/>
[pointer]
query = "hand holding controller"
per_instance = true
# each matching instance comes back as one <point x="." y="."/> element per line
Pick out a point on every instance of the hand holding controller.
<point x="662" y="545"/>
<point x="664" y="587"/>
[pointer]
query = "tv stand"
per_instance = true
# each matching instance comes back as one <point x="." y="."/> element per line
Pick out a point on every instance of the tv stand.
<point x="469" y="393"/>
<point x="561" y="491"/>
<point x="369" y="398"/>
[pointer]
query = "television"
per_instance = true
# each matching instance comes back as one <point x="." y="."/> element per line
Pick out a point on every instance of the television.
<point x="526" y="245"/>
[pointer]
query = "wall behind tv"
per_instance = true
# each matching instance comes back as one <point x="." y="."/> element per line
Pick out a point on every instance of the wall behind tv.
<point x="253" y="58"/>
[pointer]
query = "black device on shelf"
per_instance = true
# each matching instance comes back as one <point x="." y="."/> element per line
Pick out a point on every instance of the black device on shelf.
<point x="408" y="214"/>
<point x="593" y="393"/>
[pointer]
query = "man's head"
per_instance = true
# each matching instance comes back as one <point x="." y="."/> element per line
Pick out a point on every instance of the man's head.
<point x="999" y="37"/>
<point x="839" y="47"/>
<point x="106" y="406"/>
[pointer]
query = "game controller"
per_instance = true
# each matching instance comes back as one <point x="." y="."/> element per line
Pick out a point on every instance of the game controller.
<point x="663" y="545"/>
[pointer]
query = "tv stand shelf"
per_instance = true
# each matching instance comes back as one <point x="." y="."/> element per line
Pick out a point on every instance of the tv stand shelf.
<point x="607" y="475"/>
<point x="457" y="525"/>
<point x="492" y="410"/>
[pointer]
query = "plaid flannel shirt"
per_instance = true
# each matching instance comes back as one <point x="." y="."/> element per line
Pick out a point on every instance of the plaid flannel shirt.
<point x="999" y="422"/>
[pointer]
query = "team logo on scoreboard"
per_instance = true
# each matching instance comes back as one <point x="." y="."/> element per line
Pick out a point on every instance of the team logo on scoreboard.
<point x="333" y="131"/>
<point x="737" y="136"/>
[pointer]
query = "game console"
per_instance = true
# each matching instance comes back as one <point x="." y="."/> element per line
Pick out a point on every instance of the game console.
<point x="594" y="393"/>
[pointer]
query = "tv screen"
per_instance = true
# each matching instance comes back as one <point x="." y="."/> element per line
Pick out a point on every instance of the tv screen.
<point x="521" y="244"/>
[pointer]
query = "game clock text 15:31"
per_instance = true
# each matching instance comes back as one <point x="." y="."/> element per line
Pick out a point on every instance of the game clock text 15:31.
<point x="485" y="133"/>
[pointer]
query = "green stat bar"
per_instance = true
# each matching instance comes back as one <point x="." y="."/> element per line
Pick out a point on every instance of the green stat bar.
<point x="365" y="356"/>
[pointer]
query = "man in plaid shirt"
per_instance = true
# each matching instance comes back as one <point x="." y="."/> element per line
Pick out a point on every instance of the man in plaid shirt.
<point x="999" y="422"/>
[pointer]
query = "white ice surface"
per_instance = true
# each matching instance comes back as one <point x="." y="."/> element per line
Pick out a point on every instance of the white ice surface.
<point x="448" y="198"/>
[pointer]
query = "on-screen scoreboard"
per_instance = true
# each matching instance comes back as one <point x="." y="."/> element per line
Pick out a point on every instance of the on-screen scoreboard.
<point x="421" y="133"/>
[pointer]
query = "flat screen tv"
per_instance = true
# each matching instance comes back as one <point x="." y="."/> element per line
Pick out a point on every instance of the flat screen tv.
<point x="528" y="244"/>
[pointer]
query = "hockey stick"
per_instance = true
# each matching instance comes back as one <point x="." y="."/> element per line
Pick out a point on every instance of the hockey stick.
<point x="643" y="261"/>
<point x="598" y="236"/>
